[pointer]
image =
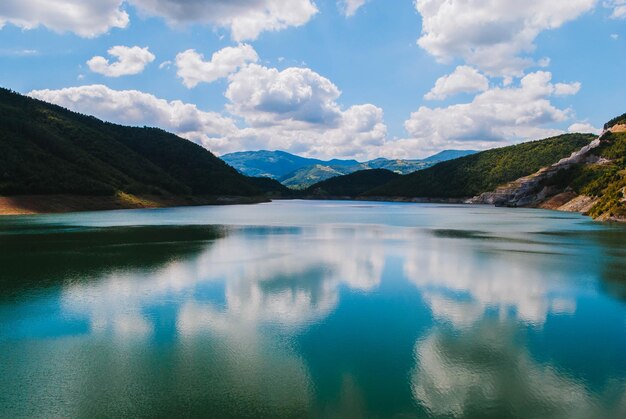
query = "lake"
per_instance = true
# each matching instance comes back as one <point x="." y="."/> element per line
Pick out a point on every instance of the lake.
<point x="313" y="309"/>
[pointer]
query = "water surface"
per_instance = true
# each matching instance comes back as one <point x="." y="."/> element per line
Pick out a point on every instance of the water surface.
<point x="313" y="309"/>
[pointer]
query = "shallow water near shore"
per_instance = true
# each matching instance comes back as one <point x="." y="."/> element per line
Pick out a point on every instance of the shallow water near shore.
<point x="313" y="309"/>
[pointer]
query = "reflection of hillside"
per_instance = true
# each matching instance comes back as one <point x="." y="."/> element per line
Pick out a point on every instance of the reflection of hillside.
<point x="485" y="372"/>
<point x="613" y="247"/>
<point x="607" y="250"/>
<point x="51" y="255"/>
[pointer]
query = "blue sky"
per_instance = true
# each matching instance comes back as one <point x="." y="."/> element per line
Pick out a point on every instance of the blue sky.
<point x="326" y="78"/>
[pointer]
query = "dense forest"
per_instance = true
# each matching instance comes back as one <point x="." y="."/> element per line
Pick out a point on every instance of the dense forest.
<point x="46" y="149"/>
<point x="353" y="184"/>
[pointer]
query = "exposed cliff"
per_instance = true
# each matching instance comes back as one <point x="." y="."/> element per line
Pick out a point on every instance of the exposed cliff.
<point x="591" y="181"/>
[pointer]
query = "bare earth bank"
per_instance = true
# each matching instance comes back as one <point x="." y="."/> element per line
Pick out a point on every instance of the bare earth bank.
<point x="42" y="204"/>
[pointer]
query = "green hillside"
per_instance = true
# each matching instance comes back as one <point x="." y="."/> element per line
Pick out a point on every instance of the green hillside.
<point x="605" y="180"/>
<point x="310" y="175"/>
<point x="45" y="149"/>
<point x="353" y="184"/>
<point x="471" y="175"/>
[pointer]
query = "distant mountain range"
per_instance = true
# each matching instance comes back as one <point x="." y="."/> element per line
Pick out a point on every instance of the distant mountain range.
<point x="300" y="172"/>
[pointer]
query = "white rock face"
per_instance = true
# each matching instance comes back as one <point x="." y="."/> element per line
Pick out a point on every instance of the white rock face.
<point x="527" y="191"/>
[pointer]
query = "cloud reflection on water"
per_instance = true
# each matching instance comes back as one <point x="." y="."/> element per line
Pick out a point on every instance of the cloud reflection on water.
<point x="486" y="370"/>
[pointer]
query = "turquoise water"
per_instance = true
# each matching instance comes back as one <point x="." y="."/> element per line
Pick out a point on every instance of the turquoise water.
<point x="313" y="309"/>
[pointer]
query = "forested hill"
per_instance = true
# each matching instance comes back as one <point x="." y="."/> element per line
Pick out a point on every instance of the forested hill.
<point x="472" y="175"/>
<point x="46" y="149"/>
<point x="353" y="184"/>
<point x="463" y="177"/>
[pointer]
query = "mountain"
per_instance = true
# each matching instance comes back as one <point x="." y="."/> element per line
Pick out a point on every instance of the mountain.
<point x="46" y="149"/>
<point x="471" y="175"/>
<point x="591" y="181"/>
<point x="353" y="184"/>
<point x="275" y="164"/>
<point x="309" y="175"/>
<point x="299" y="172"/>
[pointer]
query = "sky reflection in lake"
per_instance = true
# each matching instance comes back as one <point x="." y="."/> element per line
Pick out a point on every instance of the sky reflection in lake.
<point x="313" y="309"/>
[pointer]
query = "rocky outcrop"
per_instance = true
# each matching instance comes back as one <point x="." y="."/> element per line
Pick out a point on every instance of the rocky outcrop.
<point x="530" y="191"/>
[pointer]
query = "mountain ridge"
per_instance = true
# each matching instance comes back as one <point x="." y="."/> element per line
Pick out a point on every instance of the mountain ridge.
<point x="301" y="172"/>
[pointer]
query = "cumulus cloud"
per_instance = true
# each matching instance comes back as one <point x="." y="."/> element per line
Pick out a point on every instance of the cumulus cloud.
<point x="264" y="96"/>
<point x="584" y="127"/>
<point x="500" y="115"/>
<point x="350" y="7"/>
<point x="130" y="60"/>
<point x="296" y="109"/>
<point x="566" y="89"/>
<point x="194" y="70"/>
<point x="86" y="18"/>
<point x="293" y="110"/>
<point x="136" y="108"/>
<point x="463" y="80"/>
<point x="495" y="36"/>
<point x="246" y="19"/>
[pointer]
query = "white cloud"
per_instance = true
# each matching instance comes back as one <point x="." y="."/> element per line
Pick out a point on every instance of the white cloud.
<point x="619" y="8"/>
<point x="137" y="108"/>
<point x="296" y="110"/>
<point x="194" y="70"/>
<point x="614" y="36"/>
<point x="130" y="60"/>
<point x="566" y="89"/>
<point x="498" y="116"/>
<point x="265" y="96"/>
<point x="86" y="18"/>
<point x="246" y="19"/>
<point x="302" y="117"/>
<point x="463" y="80"/>
<point x="495" y="36"/>
<point x="350" y="7"/>
<point x="359" y="133"/>
<point x="584" y="127"/>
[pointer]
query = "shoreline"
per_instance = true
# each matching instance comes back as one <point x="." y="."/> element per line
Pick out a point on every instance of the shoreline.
<point x="65" y="203"/>
<point x="564" y="202"/>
